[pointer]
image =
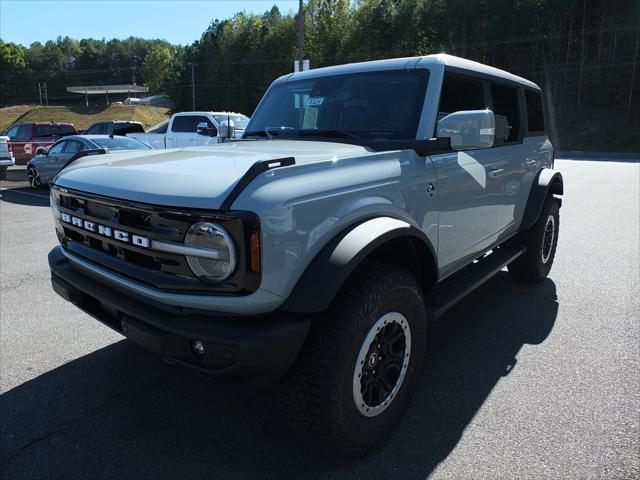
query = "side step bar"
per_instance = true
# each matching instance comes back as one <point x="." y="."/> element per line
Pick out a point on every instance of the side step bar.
<point x="461" y="283"/>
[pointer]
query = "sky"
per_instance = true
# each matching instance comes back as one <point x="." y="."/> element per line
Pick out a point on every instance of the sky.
<point x="179" y="22"/>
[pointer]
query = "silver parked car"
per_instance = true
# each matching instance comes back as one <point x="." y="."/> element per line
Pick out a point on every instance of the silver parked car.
<point x="47" y="163"/>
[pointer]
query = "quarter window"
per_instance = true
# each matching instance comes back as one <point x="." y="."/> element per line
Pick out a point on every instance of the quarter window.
<point x="535" y="115"/>
<point x="507" y="111"/>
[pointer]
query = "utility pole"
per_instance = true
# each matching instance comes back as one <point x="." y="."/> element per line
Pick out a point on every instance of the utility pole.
<point x="46" y="97"/>
<point x="193" y="87"/>
<point x="40" y="93"/>
<point x="300" y="35"/>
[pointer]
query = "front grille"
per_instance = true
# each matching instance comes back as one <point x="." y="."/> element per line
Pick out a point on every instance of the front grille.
<point x="159" y="269"/>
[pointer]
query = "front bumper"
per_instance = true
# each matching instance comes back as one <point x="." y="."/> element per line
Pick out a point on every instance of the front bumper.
<point x="7" y="162"/>
<point x="258" y="349"/>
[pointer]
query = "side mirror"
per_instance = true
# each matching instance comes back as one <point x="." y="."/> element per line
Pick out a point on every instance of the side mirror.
<point x="468" y="129"/>
<point x="42" y="151"/>
<point x="204" y="129"/>
<point x="227" y="130"/>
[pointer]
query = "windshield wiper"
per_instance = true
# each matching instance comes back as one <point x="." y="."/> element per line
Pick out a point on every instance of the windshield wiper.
<point x="268" y="132"/>
<point x="329" y="133"/>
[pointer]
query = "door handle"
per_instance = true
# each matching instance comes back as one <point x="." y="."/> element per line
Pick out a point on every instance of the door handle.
<point x="530" y="163"/>
<point x="496" y="173"/>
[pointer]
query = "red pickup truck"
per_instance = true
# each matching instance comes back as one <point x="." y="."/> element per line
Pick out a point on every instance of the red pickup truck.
<point x="27" y="138"/>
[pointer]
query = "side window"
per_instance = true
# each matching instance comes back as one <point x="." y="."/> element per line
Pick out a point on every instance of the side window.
<point x="93" y="129"/>
<point x="182" y="124"/>
<point x="506" y="108"/>
<point x="459" y="93"/>
<point x="67" y="130"/>
<point x="72" y="147"/>
<point x="535" y="114"/>
<point x="13" y="132"/>
<point x="201" y="119"/>
<point x="24" y="132"/>
<point x="57" y="148"/>
<point x="101" y="128"/>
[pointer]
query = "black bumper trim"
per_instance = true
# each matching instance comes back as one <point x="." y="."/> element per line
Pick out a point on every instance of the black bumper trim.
<point x="258" y="349"/>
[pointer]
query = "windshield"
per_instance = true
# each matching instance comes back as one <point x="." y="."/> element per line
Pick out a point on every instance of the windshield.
<point x="120" y="143"/>
<point x="371" y="105"/>
<point x="239" y="121"/>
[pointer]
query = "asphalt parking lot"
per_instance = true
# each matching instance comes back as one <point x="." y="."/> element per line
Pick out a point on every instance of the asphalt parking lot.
<point x="521" y="382"/>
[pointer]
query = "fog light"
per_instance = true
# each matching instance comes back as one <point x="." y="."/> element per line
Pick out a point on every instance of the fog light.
<point x="198" y="348"/>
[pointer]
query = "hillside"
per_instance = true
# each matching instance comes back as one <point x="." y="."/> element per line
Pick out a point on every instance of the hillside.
<point x="81" y="117"/>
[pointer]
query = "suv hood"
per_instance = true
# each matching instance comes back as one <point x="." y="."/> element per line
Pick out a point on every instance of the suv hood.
<point x="194" y="177"/>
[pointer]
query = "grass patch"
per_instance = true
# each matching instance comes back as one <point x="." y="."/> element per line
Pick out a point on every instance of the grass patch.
<point x="81" y="117"/>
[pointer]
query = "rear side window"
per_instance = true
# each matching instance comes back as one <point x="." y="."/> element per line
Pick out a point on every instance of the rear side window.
<point x="460" y="94"/>
<point x="49" y="131"/>
<point x="182" y="124"/>
<point x="507" y="111"/>
<point x="72" y="147"/>
<point x="98" y="129"/>
<point x="67" y="130"/>
<point x="535" y="114"/>
<point x="124" y="128"/>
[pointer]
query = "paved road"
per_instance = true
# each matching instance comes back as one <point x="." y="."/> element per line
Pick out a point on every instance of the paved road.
<point x="538" y="382"/>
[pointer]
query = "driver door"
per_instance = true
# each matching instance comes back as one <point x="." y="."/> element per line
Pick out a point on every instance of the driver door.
<point x="469" y="184"/>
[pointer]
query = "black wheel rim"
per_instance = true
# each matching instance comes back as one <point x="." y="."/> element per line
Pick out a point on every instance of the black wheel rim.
<point x="547" y="238"/>
<point x="382" y="364"/>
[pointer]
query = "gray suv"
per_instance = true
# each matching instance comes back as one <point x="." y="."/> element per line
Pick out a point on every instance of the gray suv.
<point x="363" y="201"/>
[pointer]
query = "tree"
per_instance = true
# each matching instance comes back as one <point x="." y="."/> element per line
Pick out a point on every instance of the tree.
<point x="157" y="68"/>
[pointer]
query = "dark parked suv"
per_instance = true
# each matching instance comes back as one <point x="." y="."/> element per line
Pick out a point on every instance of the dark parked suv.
<point x="115" y="127"/>
<point x="27" y="138"/>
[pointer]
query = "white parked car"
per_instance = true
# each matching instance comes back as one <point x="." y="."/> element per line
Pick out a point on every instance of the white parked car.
<point x="6" y="157"/>
<point x="189" y="129"/>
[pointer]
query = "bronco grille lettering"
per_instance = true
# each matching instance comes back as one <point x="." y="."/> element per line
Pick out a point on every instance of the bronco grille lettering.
<point x="105" y="231"/>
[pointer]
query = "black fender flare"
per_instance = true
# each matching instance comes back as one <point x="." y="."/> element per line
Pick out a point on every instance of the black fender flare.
<point x="333" y="265"/>
<point x="547" y="182"/>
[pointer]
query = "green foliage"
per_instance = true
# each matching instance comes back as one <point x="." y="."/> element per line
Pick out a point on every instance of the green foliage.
<point x="157" y="68"/>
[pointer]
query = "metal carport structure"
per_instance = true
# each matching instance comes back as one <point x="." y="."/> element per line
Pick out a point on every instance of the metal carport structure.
<point x="106" y="90"/>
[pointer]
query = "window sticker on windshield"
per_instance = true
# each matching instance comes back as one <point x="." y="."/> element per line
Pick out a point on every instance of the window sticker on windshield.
<point x="314" y="101"/>
<point x="310" y="118"/>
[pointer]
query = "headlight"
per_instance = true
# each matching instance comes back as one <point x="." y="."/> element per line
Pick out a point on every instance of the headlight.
<point x="53" y="202"/>
<point x="217" y="258"/>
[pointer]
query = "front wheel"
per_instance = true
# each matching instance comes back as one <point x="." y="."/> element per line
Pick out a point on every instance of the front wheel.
<point x="357" y="371"/>
<point x="34" y="178"/>
<point x="540" y="241"/>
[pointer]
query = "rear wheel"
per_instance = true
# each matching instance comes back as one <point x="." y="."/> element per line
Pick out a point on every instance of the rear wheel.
<point x="3" y="172"/>
<point x="34" y="178"/>
<point x="541" y="241"/>
<point x="357" y="371"/>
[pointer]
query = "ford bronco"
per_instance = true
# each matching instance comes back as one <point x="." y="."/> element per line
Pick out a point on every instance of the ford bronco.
<point x="362" y="201"/>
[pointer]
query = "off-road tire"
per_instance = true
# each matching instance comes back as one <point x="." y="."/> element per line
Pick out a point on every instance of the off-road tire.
<point x="316" y="396"/>
<point x="535" y="264"/>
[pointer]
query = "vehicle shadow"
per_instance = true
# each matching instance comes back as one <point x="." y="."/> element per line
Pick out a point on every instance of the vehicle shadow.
<point x="25" y="196"/>
<point x="119" y="412"/>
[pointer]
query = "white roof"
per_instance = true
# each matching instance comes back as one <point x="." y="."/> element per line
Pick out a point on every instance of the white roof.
<point x="440" y="59"/>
